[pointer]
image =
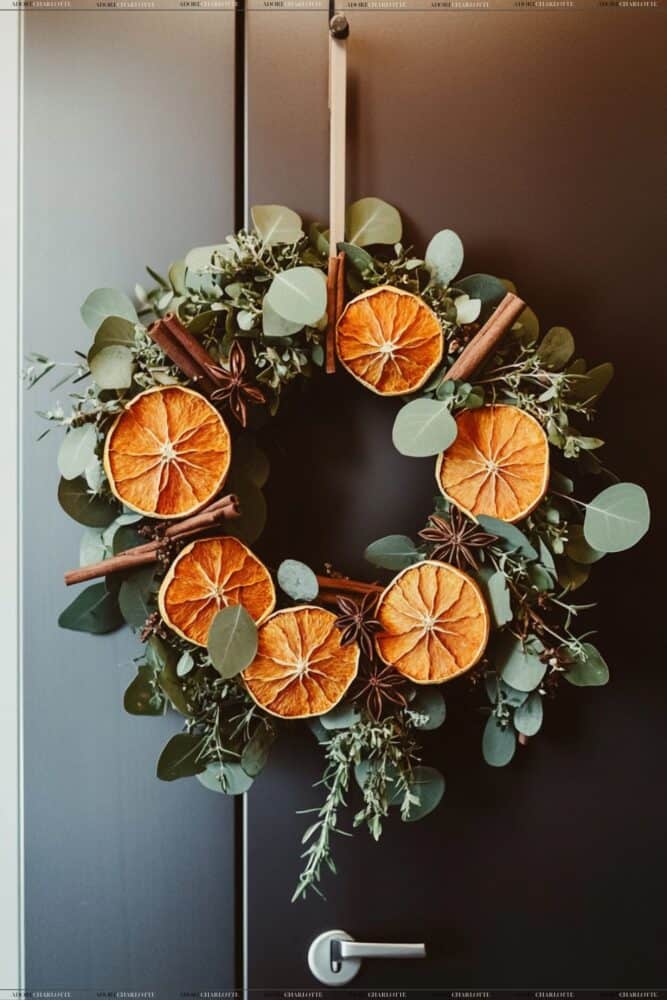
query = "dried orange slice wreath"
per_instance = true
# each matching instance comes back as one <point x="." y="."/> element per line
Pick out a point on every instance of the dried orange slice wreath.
<point x="301" y="668"/>
<point x="435" y="624"/>
<point x="208" y="575"/>
<point x="389" y="340"/>
<point x="168" y="452"/>
<point x="498" y="465"/>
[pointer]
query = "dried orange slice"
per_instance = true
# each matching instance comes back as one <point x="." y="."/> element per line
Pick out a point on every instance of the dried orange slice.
<point x="168" y="452"/>
<point x="210" y="574"/>
<point x="498" y="465"/>
<point x="301" y="669"/>
<point x="435" y="624"/>
<point x="389" y="340"/>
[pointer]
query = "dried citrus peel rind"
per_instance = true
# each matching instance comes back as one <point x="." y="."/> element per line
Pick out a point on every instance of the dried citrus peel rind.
<point x="208" y="575"/>
<point x="168" y="453"/>
<point x="498" y="465"/>
<point x="300" y="669"/>
<point x="389" y="340"/>
<point x="435" y="623"/>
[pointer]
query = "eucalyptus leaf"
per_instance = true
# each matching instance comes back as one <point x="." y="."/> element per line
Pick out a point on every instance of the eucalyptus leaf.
<point x="181" y="757"/>
<point x="617" y="518"/>
<point x="228" y="779"/>
<point x="467" y="309"/>
<point x="498" y="743"/>
<point x="136" y="597"/>
<point x="232" y="641"/>
<point x="360" y="259"/>
<point x="256" y="751"/>
<point x="104" y="302"/>
<point x="429" y="701"/>
<point x="429" y="785"/>
<point x="77" y="451"/>
<point x="528" y="717"/>
<point x="519" y="664"/>
<point x="297" y="580"/>
<point x="489" y="290"/>
<point x="572" y="575"/>
<point x="111" y="367"/>
<point x="75" y="500"/>
<point x="371" y="220"/>
<point x="392" y="552"/>
<point x="273" y="325"/>
<point x="92" y="548"/>
<point x="141" y="698"/>
<point x="529" y="327"/>
<point x="578" y="549"/>
<point x="444" y="256"/>
<point x="94" y="610"/>
<point x="423" y="427"/>
<point x="499" y="598"/>
<point x="556" y="348"/>
<point x="593" y="383"/>
<point x="511" y="539"/>
<point x="299" y="295"/>
<point x="343" y="716"/>
<point x="589" y="669"/>
<point x="276" y="224"/>
<point x="168" y="678"/>
<point x="115" y="331"/>
<point x="201" y="258"/>
<point x="177" y="277"/>
<point x="186" y="662"/>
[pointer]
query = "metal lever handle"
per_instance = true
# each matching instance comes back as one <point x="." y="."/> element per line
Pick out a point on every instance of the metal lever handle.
<point x="335" y="957"/>
<point x="340" y="950"/>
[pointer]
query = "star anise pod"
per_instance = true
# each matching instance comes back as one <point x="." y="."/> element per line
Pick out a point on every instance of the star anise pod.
<point x="357" y="623"/>
<point x="455" y="540"/>
<point x="233" y="389"/>
<point x="381" y="685"/>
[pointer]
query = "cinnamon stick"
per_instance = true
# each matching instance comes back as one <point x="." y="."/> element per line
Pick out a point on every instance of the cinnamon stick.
<point x="341" y="585"/>
<point x="143" y="555"/>
<point x="184" y="350"/>
<point x="486" y="339"/>
<point x="332" y="295"/>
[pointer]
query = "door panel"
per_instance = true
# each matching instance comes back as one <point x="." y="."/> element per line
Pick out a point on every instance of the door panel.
<point x="536" y="137"/>
<point x="129" y="882"/>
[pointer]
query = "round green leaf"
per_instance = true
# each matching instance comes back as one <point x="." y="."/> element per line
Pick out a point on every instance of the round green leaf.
<point x="141" y="698"/>
<point x="77" y="451"/>
<point x="94" y="610"/>
<point x="276" y="224"/>
<point x="519" y="665"/>
<point x="92" y="548"/>
<point x="360" y="259"/>
<point x="444" y="257"/>
<point x="136" y="597"/>
<point x="180" y="757"/>
<point x="185" y="664"/>
<point x="617" y="518"/>
<point x="392" y="552"/>
<point x="556" y="348"/>
<point x="511" y="539"/>
<point x="498" y="743"/>
<point x="499" y="599"/>
<point x="111" y="367"/>
<point x="232" y="641"/>
<point x="423" y="427"/>
<point x="428" y="701"/>
<point x="527" y="326"/>
<point x="485" y="287"/>
<point x="578" y="548"/>
<point x="467" y="309"/>
<point x="589" y="669"/>
<point x="274" y="325"/>
<point x="528" y="717"/>
<point x="82" y="506"/>
<point x="341" y="717"/>
<point x="256" y="751"/>
<point x="105" y="302"/>
<point x="299" y="295"/>
<point x="429" y="786"/>
<point x="593" y="383"/>
<point x="230" y="779"/>
<point x="201" y="258"/>
<point x="297" y="580"/>
<point x="371" y="220"/>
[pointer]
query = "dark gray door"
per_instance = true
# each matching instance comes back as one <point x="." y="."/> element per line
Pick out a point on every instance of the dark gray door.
<point x="535" y="135"/>
<point x="129" y="882"/>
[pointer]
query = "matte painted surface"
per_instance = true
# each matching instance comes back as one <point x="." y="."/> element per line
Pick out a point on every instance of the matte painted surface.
<point x="535" y="136"/>
<point x="129" y="881"/>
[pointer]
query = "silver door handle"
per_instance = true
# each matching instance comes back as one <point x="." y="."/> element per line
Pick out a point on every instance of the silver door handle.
<point x="335" y="957"/>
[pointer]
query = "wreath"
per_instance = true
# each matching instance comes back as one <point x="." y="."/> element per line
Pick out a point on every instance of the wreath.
<point x="162" y="464"/>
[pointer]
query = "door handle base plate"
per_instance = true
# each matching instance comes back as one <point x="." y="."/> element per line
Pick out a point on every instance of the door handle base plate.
<point x="319" y="960"/>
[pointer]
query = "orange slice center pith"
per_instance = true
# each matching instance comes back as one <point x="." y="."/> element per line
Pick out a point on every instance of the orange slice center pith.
<point x="435" y="624"/>
<point x="389" y="340"/>
<point x="168" y="453"/>
<point x="498" y="465"/>
<point x="208" y="575"/>
<point x="301" y="669"/>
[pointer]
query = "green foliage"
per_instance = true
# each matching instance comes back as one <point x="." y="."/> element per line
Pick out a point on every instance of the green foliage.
<point x="105" y="302"/>
<point x="298" y="295"/>
<point x="372" y="221"/>
<point x="297" y="580"/>
<point x="587" y="669"/>
<point x="617" y="518"/>
<point x="181" y="757"/>
<point x="428" y="707"/>
<point x="423" y="427"/>
<point x="77" y="451"/>
<point x="94" y="610"/>
<point x="276" y="224"/>
<point x="392" y="552"/>
<point x="498" y="742"/>
<point x="77" y="500"/>
<point x="232" y="641"/>
<point x="444" y="257"/>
